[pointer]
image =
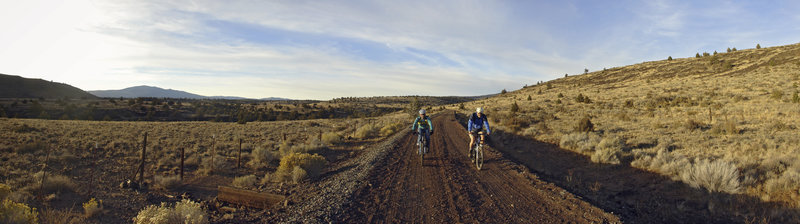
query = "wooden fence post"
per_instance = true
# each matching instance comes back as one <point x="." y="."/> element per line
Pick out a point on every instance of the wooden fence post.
<point x="182" y="158"/>
<point x="44" y="172"/>
<point x="213" y="151"/>
<point x="144" y="154"/>
<point x="239" y="160"/>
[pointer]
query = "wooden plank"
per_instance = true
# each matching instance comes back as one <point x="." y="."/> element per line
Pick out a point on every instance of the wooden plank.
<point x="248" y="197"/>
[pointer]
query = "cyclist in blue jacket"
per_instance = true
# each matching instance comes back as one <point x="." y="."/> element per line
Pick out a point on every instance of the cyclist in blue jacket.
<point x="477" y="122"/>
<point x="423" y="125"/>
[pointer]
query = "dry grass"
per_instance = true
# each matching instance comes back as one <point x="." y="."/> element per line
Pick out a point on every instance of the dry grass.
<point x="245" y="181"/>
<point x="167" y="182"/>
<point x="736" y="107"/>
<point x="185" y="211"/>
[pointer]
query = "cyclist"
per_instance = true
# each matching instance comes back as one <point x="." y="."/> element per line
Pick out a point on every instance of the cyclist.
<point x="477" y="122"/>
<point x="423" y="125"/>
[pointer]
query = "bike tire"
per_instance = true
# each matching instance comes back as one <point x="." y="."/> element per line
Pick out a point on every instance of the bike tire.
<point x="479" y="157"/>
<point x="422" y="153"/>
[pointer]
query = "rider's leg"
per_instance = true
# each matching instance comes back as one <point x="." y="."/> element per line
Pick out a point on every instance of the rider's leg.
<point x="427" y="139"/>
<point x="471" y="141"/>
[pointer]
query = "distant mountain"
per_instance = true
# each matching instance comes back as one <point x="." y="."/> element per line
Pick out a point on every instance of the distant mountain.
<point x="12" y="86"/>
<point x="145" y="91"/>
<point x="151" y="91"/>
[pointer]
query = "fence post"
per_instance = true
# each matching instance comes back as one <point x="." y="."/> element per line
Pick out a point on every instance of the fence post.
<point x="144" y="153"/>
<point x="182" y="158"/>
<point x="44" y="172"/>
<point x="239" y="160"/>
<point x="213" y="151"/>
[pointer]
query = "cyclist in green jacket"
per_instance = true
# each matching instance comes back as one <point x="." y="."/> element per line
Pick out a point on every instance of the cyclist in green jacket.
<point x="424" y="127"/>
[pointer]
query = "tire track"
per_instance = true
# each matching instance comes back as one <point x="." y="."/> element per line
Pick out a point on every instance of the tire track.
<point x="449" y="189"/>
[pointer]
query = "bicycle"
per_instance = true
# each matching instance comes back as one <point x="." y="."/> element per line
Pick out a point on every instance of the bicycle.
<point x="476" y="153"/>
<point x="422" y="142"/>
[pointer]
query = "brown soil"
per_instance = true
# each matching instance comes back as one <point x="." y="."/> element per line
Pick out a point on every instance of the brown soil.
<point x="447" y="188"/>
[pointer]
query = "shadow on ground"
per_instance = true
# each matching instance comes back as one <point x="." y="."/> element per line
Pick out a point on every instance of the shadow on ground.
<point x="636" y="195"/>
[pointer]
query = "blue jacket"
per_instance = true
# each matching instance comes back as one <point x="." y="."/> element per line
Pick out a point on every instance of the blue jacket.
<point x="422" y="124"/>
<point x="476" y="123"/>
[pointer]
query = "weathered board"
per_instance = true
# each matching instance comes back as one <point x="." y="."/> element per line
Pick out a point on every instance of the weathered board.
<point x="248" y="197"/>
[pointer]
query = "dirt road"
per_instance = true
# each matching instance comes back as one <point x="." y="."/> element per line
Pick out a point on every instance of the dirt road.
<point x="448" y="189"/>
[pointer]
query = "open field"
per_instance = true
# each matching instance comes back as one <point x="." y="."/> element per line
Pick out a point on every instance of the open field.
<point x="90" y="159"/>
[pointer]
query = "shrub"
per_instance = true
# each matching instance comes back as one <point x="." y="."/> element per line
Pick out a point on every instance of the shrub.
<point x="795" y="98"/>
<point x="261" y="157"/>
<point x="298" y="174"/>
<point x="312" y="164"/>
<point x="727" y="127"/>
<point x="185" y="211"/>
<point x="5" y="191"/>
<point x="606" y="155"/>
<point x="245" y="181"/>
<point x="716" y="176"/>
<point x="581" y="142"/>
<point x="54" y="183"/>
<point x="391" y="129"/>
<point x="691" y="124"/>
<point x="514" y="107"/>
<point x="367" y="131"/>
<point x="168" y="183"/>
<point x="331" y="138"/>
<point x="669" y="58"/>
<point x="92" y="207"/>
<point x="784" y="186"/>
<point x="758" y="46"/>
<point x="584" y="125"/>
<point x="776" y="94"/>
<point x="663" y="162"/>
<point x="13" y="212"/>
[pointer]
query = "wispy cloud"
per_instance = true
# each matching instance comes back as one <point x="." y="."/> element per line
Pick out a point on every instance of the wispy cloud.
<point x="327" y="49"/>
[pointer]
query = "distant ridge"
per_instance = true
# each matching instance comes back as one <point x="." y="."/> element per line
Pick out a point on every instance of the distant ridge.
<point x="152" y="91"/>
<point x="12" y="86"/>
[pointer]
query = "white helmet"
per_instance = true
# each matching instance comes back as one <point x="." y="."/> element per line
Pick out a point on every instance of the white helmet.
<point x="479" y="110"/>
<point x="422" y="111"/>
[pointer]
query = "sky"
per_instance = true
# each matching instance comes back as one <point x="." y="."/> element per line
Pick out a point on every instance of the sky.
<point x="321" y="50"/>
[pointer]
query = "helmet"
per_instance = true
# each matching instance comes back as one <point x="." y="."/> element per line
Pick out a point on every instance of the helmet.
<point x="479" y="110"/>
<point x="422" y="111"/>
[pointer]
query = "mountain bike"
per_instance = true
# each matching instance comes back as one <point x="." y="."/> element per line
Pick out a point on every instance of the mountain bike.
<point x="422" y="142"/>
<point x="476" y="153"/>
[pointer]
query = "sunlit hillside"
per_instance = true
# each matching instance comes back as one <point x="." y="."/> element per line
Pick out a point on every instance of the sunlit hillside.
<point x="731" y="115"/>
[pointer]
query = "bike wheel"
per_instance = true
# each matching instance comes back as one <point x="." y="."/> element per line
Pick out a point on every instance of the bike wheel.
<point x="479" y="157"/>
<point x="422" y="153"/>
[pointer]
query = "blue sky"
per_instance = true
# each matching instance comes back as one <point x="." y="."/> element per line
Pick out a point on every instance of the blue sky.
<point x="327" y="49"/>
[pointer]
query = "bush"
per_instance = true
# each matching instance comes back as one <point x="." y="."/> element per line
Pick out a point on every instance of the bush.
<point x="5" y="191"/>
<point x="13" y="212"/>
<point x="298" y="174"/>
<point x="261" y="157"/>
<point x="391" y="129"/>
<point x="185" y="211"/>
<point x="606" y="155"/>
<point x="168" y="183"/>
<point x="331" y="138"/>
<point x="367" y="131"/>
<point x="312" y="164"/>
<point x="727" y="127"/>
<point x="245" y="181"/>
<point x="663" y="162"/>
<point x="54" y="183"/>
<point x="92" y="207"/>
<point x="776" y="94"/>
<point x="716" y="176"/>
<point x="584" y="125"/>
<point x="581" y="142"/>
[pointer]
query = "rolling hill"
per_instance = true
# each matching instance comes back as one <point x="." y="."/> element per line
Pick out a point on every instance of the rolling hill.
<point x="19" y="87"/>
<point x="151" y="91"/>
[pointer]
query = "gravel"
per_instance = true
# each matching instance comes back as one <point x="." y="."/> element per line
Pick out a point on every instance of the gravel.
<point x="326" y="202"/>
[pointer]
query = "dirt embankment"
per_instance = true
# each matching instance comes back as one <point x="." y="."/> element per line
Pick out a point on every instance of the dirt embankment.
<point x="448" y="189"/>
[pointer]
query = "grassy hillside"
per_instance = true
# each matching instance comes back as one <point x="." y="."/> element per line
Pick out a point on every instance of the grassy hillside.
<point x="725" y="122"/>
<point x="19" y="87"/>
